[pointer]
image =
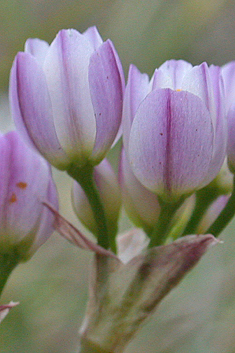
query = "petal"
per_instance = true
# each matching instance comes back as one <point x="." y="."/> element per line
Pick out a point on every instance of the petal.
<point x="198" y="82"/>
<point x="31" y="108"/>
<point x="171" y="142"/>
<point x="106" y="93"/>
<point x="171" y="74"/>
<point x="93" y="36"/>
<point x="231" y="138"/>
<point x="66" y="70"/>
<point x="136" y="90"/>
<point x="228" y="72"/>
<point x="221" y="126"/>
<point x="38" y="48"/>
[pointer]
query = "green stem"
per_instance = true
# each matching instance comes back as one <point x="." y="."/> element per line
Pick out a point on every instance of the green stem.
<point x="7" y="264"/>
<point x="161" y="231"/>
<point x="84" y="176"/>
<point x="204" y="199"/>
<point x="225" y="216"/>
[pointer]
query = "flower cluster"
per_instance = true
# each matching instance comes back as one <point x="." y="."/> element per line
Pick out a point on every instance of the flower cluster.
<point x="70" y="103"/>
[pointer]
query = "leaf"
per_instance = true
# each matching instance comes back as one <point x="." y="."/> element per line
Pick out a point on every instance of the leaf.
<point x="72" y="234"/>
<point x="132" y="291"/>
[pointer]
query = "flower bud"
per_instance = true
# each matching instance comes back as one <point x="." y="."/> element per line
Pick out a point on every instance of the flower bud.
<point x="66" y="98"/>
<point x="175" y="128"/>
<point x="107" y="185"/>
<point x="141" y="205"/>
<point x="25" y="182"/>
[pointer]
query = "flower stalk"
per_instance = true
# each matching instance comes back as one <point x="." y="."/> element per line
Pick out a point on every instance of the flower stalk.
<point x="162" y="229"/>
<point x="7" y="264"/>
<point x="225" y="216"/>
<point x="84" y="176"/>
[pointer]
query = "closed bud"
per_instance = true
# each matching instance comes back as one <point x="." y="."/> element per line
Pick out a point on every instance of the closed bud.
<point x="25" y="183"/>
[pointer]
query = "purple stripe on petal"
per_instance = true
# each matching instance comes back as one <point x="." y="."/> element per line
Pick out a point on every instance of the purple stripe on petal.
<point x="171" y="142"/>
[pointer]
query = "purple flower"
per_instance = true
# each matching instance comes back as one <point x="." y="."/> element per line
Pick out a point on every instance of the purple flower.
<point x="66" y="98"/>
<point x="174" y="127"/>
<point x="25" y="182"/>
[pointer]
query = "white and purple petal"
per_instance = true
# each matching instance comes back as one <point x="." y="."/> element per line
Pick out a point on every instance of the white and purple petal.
<point x="32" y="109"/>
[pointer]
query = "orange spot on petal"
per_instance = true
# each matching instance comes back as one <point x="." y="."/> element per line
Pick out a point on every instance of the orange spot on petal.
<point x="178" y="90"/>
<point x="13" y="198"/>
<point x="22" y="185"/>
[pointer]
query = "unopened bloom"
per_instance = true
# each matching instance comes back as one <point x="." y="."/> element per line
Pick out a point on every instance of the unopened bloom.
<point x="141" y="205"/>
<point x="107" y="185"/>
<point x="25" y="183"/>
<point x="175" y="128"/>
<point x="66" y="98"/>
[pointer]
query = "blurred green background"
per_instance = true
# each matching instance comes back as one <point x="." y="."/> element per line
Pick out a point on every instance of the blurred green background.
<point x="198" y="316"/>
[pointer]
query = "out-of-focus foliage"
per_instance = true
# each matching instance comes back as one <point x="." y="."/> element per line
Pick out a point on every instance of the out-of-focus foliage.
<point x="145" y="32"/>
<point x="197" y="317"/>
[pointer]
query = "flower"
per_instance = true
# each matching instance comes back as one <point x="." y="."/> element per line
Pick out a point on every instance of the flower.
<point x="25" y="182"/>
<point x="66" y="98"/>
<point x="107" y="185"/>
<point x="174" y="127"/>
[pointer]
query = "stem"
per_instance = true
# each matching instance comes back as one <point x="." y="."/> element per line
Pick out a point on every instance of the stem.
<point x="225" y="216"/>
<point x="204" y="199"/>
<point x="7" y="264"/>
<point x="84" y="176"/>
<point x="161" y="231"/>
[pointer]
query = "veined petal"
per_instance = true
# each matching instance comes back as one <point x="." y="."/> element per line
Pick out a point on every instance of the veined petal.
<point x="136" y="90"/>
<point x="66" y="70"/>
<point x="93" y="36"/>
<point x="31" y="107"/>
<point x="106" y="94"/>
<point x="171" y="142"/>
<point x="37" y="47"/>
